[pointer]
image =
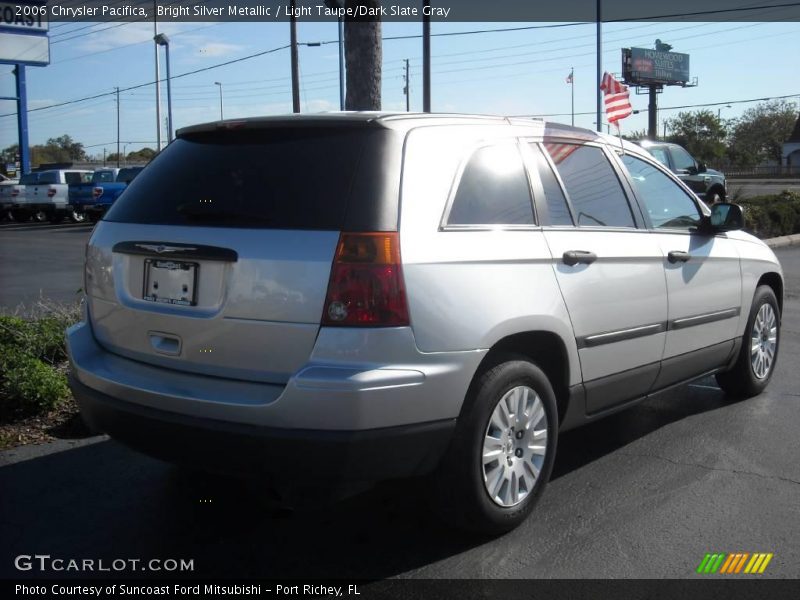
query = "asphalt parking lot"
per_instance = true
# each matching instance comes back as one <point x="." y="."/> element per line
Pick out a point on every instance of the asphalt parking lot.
<point x="643" y="494"/>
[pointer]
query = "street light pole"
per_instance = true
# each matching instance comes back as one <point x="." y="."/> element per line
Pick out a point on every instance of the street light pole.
<point x="220" y="99"/>
<point x="117" y="89"/>
<point x="163" y="40"/>
<point x="158" y="79"/>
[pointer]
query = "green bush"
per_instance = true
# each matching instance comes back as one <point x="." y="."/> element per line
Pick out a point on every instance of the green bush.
<point x="772" y="216"/>
<point x="29" y="385"/>
<point x="30" y="353"/>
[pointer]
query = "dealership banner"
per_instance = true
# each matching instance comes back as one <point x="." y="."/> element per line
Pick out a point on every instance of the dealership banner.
<point x="400" y="10"/>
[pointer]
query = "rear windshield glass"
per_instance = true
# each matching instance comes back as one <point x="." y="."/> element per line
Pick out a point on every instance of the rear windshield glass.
<point x="103" y="177"/>
<point x="127" y="175"/>
<point x="48" y="177"/>
<point x="29" y="179"/>
<point x="282" y="178"/>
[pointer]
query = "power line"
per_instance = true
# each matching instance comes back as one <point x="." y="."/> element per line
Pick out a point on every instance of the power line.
<point x="141" y="85"/>
<point x="644" y="110"/>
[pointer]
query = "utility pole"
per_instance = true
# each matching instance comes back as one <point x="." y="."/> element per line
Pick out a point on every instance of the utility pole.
<point x="158" y="79"/>
<point x="407" y="90"/>
<point x="426" y="56"/>
<point x="295" y="70"/>
<point x="117" y="90"/>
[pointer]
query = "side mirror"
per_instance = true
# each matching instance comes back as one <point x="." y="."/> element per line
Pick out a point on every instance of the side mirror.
<point x="692" y="170"/>
<point x="725" y="217"/>
<point x="702" y="167"/>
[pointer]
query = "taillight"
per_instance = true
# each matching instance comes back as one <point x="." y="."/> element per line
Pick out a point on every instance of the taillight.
<point x="14" y="193"/>
<point x="97" y="192"/>
<point x="366" y="285"/>
<point x="51" y="192"/>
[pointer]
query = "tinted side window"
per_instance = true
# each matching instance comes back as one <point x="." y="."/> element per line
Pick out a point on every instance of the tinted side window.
<point x="493" y="190"/>
<point x="682" y="159"/>
<point x="667" y="204"/>
<point x="660" y="154"/>
<point x="592" y="185"/>
<point x="557" y="209"/>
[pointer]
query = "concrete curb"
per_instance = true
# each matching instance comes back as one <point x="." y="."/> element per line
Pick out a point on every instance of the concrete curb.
<point x="783" y="241"/>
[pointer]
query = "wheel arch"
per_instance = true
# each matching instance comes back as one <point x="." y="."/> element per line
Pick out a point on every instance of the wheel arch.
<point x="774" y="281"/>
<point x="544" y="348"/>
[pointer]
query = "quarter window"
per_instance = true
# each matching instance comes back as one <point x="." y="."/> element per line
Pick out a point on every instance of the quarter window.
<point x="667" y="204"/>
<point x="493" y="190"/>
<point x="592" y="185"/>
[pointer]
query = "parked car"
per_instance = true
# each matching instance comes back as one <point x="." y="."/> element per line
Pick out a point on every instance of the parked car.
<point x="46" y="193"/>
<point x="5" y="199"/>
<point x="708" y="184"/>
<point x="13" y="200"/>
<point x="369" y="296"/>
<point x="96" y="197"/>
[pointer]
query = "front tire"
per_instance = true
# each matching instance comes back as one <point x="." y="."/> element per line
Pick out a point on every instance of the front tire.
<point x="502" y="451"/>
<point x="759" y="352"/>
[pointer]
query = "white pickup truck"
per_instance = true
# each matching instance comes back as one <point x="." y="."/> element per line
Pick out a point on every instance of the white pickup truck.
<point x="47" y="197"/>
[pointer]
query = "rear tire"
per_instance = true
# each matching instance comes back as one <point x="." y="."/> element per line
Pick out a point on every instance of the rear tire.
<point x="489" y="486"/>
<point x="759" y="352"/>
<point x="21" y="216"/>
<point x="77" y="217"/>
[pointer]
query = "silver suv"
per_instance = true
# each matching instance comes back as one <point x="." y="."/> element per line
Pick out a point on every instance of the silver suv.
<point x="372" y="296"/>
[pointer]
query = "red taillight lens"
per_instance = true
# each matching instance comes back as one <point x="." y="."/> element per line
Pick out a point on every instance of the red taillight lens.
<point x="97" y="192"/>
<point x="15" y="193"/>
<point x="51" y="192"/>
<point x="366" y="285"/>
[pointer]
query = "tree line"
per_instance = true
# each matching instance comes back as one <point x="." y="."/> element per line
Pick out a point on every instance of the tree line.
<point x="63" y="149"/>
<point x="754" y="138"/>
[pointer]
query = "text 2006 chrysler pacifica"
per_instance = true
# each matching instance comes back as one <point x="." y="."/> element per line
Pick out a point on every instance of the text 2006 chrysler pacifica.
<point x="374" y="296"/>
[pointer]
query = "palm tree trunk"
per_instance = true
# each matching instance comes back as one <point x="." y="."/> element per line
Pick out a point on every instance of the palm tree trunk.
<point x="363" y="55"/>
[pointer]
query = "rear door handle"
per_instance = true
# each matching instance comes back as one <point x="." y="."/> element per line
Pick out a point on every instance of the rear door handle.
<point x="675" y="256"/>
<point x="574" y="257"/>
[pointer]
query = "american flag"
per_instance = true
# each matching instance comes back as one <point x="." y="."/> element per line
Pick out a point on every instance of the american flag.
<point x="560" y="152"/>
<point x="618" y="104"/>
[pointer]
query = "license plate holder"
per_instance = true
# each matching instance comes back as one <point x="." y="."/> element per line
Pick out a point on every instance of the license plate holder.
<point x="170" y="282"/>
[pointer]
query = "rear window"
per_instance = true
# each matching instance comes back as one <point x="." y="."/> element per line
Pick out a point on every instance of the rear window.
<point x="127" y="175"/>
<point x="46" y="177"/>
<point x="29" y="179"/>
<point x="281" y="178"/>
<point x="103" y="177"/>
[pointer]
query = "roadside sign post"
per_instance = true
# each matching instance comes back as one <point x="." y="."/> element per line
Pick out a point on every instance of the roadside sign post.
<point x="22" y="119"/>
<point x="23" y="43"/>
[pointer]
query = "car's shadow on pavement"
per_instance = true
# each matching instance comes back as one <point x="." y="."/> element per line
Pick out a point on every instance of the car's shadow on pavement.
<point x="105" y="501"/>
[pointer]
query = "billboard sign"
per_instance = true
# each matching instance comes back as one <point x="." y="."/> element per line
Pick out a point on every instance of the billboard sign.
<point x="23" y="18"/>
<point x="642" y="66"/>
<point x="23" y="34"/>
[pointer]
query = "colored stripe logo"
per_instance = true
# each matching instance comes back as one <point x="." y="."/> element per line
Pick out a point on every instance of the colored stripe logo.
<point x="734" y="563"/>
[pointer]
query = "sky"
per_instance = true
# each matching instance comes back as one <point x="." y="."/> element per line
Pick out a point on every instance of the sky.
<point x="508" y="73"/>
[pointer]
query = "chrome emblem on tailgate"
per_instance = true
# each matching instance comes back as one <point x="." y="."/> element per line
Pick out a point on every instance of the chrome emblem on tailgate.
<point x="161" y="248"/>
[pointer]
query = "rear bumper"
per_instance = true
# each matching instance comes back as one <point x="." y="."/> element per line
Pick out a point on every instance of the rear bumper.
<point x="355" y="420"/>
<point x="249" y="449"/>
